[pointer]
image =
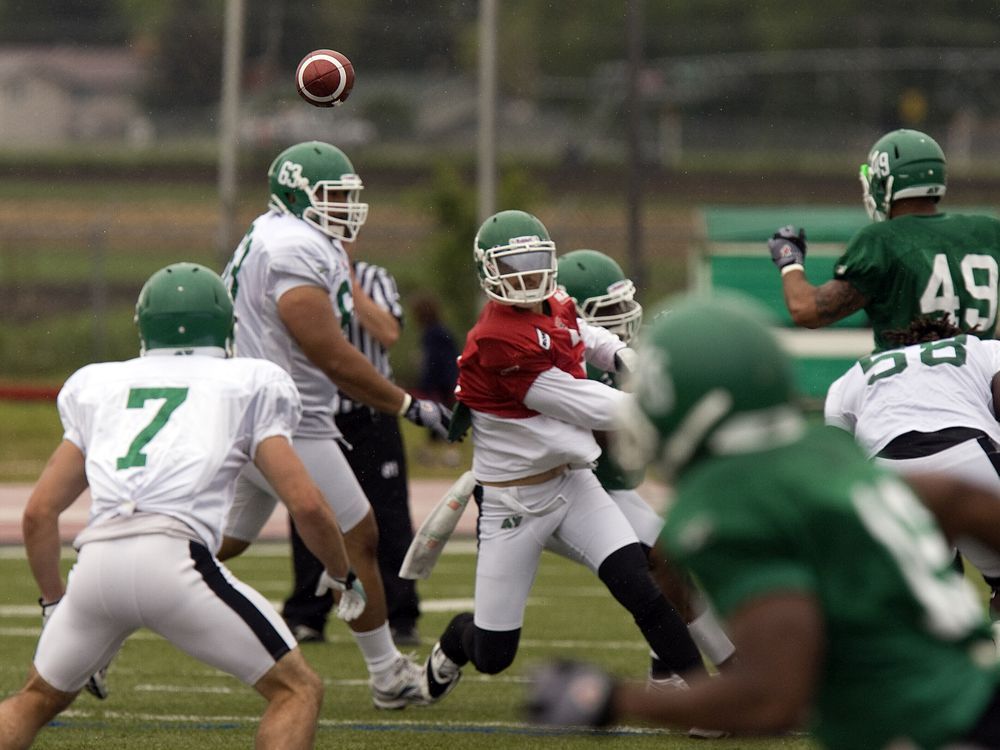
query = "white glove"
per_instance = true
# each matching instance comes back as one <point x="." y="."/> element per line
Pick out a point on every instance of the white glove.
<point x="626" y="360"/>
<point x="352" y="594"/>
<point x="47" y="609"/>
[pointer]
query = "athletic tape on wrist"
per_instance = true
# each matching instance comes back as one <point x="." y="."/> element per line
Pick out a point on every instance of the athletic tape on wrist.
<point x="407" y="400"/>
<point x="793" y="267"/>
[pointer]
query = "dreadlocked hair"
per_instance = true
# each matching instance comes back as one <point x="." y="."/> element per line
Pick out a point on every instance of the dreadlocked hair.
<point x="924" y="328"/>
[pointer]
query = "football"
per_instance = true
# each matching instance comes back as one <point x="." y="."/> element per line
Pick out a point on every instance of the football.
<point x="324" y="78"/>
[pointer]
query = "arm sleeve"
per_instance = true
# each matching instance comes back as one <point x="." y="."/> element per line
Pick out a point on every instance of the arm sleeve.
<point x="304" y="265"/>
<point x="837" y="412"/>
<point x="66" y="403"/>
<point x="276" y="411"/>
<point x="601" y="345"/>
<point x="579" y="401"/>
<point x="863" y="265"/>
<point x="385" y="294"/>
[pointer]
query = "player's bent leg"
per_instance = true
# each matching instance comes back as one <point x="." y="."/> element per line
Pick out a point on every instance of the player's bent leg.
<point x="294" y="694"/>
<point x="23" y="714"/>
<point x="625" y="574"/>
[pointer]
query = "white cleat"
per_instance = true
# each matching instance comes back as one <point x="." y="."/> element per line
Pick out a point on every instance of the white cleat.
<point x="97" y="685"/>
<point x="442" y="674"/>
<point x="403" y="686"/>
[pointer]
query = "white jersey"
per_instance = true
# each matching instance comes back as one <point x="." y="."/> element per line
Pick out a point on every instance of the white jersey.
<point x="923" y="388"/>
<point x="281" y="252"/>
<point x="168" y="435"/>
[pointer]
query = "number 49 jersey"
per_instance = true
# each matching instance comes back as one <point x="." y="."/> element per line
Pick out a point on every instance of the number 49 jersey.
<point x="168" y="434"/>
<point x="921" y="265"/>
<point x="924" y="388"/>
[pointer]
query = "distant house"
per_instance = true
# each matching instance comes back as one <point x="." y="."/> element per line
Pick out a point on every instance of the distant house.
<point x="62" y="95"/>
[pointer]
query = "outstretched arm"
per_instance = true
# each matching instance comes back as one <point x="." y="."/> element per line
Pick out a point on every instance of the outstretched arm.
<point x="817" y="306"/>
<point x="314" y="520"/>
<point x="780" y="640"/>
<point x="308" y="314"/>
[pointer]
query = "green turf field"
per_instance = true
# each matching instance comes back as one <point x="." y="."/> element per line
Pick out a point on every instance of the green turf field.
<point x="163" y="699"/>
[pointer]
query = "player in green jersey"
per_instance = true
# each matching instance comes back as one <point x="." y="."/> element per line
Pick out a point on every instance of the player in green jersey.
<point x="914" y="260"/>
<point x="834" y="580"/>
<point x="605" y="297"/>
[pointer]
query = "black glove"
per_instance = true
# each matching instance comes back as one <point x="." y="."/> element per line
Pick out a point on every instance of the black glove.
<point x="788" y="246"/>
<point x="567" y="693"/>
<point x="430" y="414"/>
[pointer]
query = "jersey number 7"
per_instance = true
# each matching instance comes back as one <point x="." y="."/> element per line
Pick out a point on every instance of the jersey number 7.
<point x="137" y="398"/>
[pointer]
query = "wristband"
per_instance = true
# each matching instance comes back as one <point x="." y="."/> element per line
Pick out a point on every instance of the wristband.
<point x="793" y="267"/>
<point x="407" y="400"/>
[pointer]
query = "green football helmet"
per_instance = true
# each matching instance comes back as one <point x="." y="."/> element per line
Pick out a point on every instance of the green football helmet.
<point x="604" y="297"/>
<point x="316" y="182"/>
<point x="183" y="306"/>
<point x="711" y="380"/>
<point x="901" y="164"/>
<point x="515" y="258"/>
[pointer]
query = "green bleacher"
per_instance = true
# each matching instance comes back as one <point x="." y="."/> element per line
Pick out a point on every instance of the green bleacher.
<point x="733" y="254"/>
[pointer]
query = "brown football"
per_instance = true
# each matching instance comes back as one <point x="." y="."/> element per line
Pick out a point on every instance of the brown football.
<point x="324" y="78"/>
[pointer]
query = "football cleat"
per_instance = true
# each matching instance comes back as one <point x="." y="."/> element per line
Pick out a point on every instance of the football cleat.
<point x="403" y="687"/>
<point x="676" y="682"/>
<point x="97" y="685"/>
<point x="442" y="674"/>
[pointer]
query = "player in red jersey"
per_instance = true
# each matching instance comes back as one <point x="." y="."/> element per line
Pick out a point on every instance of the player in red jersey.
<point x="523" y="377"/>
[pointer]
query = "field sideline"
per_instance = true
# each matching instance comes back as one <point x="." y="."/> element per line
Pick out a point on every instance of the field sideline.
<point x="163" y="699"/>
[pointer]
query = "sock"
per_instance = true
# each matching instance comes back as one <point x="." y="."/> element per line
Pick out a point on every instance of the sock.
<point x="710" y="638"/>
<point x="379" y="651"/>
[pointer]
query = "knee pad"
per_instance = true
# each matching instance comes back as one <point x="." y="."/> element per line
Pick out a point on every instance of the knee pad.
<point x="494" y="650"/>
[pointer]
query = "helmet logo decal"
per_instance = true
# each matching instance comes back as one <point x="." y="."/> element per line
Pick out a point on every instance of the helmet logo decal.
<point x="290" y="175"/>
<point x="527" y="240"/>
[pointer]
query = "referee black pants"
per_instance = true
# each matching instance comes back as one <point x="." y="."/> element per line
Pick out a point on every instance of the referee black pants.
<point x="379" y="462"/>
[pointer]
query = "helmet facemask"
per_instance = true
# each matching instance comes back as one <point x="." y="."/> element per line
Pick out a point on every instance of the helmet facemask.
<point x="330" y="213"/>
<point x="522" y="272"/>
<point x="617" y="311"/>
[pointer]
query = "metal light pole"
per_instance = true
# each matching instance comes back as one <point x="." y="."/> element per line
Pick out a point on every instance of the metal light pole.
<point x="229" y="109"/>
<point x="633" y="107"/>
<point x="486" y="151"/>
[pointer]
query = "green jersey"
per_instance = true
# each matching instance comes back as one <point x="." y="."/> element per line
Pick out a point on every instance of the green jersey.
<point x="918" y="265"/>
<point x="609" y="473"/>
<point x="908" y="649"/>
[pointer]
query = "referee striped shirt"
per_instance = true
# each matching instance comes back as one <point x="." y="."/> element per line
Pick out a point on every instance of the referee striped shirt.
<point x="378" y="284"/>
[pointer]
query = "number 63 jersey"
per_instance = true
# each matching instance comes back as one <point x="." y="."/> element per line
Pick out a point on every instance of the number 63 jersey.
<point x="925" y="388"/>
<point x="168" y="434"/>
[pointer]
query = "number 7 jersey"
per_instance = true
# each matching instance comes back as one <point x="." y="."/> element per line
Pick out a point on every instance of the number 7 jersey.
<point x="168" y="434"/>
<point x="924" y="388"/>
<point x="924" y="265"/>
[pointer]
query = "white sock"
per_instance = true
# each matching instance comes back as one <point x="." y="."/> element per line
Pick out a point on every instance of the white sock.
<point x="710" y="638"/>
<point x="378" y="650"/>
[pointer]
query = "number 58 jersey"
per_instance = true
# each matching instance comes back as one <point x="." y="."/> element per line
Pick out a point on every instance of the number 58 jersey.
<point x="168" y="434"/>
<point x="925" y="388"/>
